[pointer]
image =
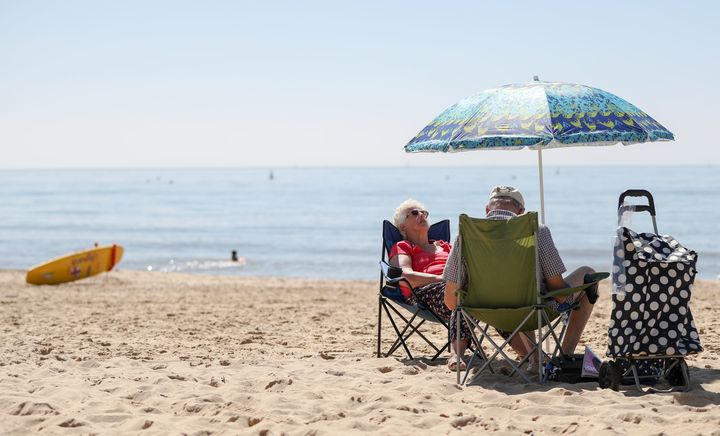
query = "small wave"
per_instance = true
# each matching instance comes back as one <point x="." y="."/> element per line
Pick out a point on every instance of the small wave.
<point x="202" y="265"/>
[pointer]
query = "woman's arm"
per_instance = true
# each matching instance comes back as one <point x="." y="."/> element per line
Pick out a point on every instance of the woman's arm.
<point x="415" y="278"/>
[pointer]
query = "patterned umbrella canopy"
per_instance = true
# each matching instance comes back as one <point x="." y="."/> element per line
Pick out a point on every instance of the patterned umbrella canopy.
<point x="537" y="115"/>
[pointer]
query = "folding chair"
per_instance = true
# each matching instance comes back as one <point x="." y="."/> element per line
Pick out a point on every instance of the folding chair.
<point x="392" y="303"/>
<point x="503" y="289"/>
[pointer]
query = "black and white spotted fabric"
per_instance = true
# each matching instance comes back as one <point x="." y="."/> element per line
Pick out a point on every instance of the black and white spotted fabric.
<point x="652" y="282"/>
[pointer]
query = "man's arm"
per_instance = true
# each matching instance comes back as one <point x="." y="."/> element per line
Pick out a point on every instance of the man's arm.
<point x="551" y="264"/>
<point x="555" y="282"/>
<point x="451" y="274"/>
<point x="450" y="297"/>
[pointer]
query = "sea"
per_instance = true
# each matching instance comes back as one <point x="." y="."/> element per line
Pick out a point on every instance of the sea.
<point x="326" y="222"/>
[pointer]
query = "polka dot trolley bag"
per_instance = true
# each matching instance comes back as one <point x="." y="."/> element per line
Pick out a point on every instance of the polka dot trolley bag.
<point x="651" y="328"/>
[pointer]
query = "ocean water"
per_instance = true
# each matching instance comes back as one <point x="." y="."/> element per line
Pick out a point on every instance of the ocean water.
<point x="326" y="222"/>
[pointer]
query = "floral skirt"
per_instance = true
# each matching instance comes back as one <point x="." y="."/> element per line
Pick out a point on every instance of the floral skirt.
<point x="433" y="295"/>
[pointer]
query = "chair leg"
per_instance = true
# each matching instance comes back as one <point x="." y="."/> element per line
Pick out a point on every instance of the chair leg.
<point x="401" y="337"/>
<point x="558" y="338"/>
<point x="440" y="351"/>
<point x="498" y="350"/>
<point x="410" y="328"/>
<point x="405" y="337"/>
<point x="483" y="356"/>
<point x="474" y="339"/>
<point x="397" y="331"/>
<point x="379" y="338"/>
<point x="477" y="350"/>
<point x="542" y="336"/>
<point x="527" y="355"/>
<point x="414" y="329"/>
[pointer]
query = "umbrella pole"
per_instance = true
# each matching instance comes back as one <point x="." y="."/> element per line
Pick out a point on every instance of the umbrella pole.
<point x="542" y="189"/>
<point x="542" y="221"/>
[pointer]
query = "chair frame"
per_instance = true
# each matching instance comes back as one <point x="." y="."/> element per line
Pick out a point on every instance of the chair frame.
<point x="543" y="321"/>
<point x="539" y="309"/>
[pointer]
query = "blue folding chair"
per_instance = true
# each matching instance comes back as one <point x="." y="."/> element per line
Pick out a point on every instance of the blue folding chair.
<point x="391" y="300"/>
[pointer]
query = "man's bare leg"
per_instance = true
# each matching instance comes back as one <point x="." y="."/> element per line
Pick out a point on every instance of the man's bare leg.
<point x="580" y="316"/>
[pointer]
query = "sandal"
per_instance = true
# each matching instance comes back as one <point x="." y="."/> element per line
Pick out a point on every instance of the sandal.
<point x="452" y="363"/>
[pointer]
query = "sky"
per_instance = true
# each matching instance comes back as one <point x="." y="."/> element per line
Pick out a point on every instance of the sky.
<point x="95" y="84"/>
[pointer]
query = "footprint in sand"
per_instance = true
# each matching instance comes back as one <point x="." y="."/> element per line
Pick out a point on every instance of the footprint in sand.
<point x="462" y="421"/>
<point x="572" y="428"/>
<point x="27" y="408"/>
<point x="287" y="382"/>
<point x="410" y="370"/>
<point x="177" y="377"/>
<point x="215" y="382"/>
<point x="385" y="369"/>
<point x="138" y="397"/>
<point x="635" y="419"/>
<point x="71" y="423"/>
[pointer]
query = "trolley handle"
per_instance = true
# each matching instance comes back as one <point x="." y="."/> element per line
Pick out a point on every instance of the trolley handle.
<point x="650" y="207"/>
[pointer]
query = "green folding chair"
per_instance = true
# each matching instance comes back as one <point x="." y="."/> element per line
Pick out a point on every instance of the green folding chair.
<point x="503" y="289"/>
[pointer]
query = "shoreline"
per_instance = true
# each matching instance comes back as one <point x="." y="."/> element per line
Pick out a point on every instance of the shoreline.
<point x="136" y="351"/>
<point x="244" y="277"/>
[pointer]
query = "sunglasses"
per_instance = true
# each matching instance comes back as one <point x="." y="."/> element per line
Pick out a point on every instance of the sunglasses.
<point x="416" y="212"/>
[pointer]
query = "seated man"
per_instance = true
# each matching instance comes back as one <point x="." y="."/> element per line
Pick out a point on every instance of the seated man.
<point x="506" y="202"/>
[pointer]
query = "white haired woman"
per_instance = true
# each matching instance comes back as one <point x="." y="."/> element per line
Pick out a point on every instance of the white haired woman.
<point x="422" y="262"/>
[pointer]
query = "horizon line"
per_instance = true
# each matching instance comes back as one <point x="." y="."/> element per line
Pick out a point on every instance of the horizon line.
<point x="303" y="166"/>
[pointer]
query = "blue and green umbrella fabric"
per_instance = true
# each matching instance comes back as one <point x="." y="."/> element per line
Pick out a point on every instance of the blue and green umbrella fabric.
<point x="544" y="114"/>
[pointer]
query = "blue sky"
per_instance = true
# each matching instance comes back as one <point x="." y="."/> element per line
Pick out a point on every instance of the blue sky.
<point x="270" y="84"/>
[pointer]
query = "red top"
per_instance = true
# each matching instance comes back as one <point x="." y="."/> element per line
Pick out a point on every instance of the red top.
<point x="422" y="261"/>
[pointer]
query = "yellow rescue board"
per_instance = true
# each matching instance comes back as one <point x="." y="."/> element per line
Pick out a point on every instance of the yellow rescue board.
<point x="75" y="266"/>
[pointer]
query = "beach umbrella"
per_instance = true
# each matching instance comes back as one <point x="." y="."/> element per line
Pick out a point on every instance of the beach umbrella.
<point x="537" y="115"/>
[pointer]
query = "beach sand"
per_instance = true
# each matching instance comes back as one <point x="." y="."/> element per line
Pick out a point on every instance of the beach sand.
<point x="139" y="352"/>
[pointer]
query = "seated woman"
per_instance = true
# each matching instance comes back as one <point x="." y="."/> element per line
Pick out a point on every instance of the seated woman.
<point x="422" y="262"/>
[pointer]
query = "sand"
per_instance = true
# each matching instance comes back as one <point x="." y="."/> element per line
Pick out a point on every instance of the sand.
<point x="138" y="352"/>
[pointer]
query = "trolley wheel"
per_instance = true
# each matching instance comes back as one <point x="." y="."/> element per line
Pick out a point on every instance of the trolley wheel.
<point x="610" y="375"/>
<point x="675" y="375"/>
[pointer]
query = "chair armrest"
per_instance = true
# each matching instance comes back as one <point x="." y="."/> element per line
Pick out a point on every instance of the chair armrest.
<point x="393" y="275"/>
<point x="389" y="271"/>
<point x="595" y="278"/>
